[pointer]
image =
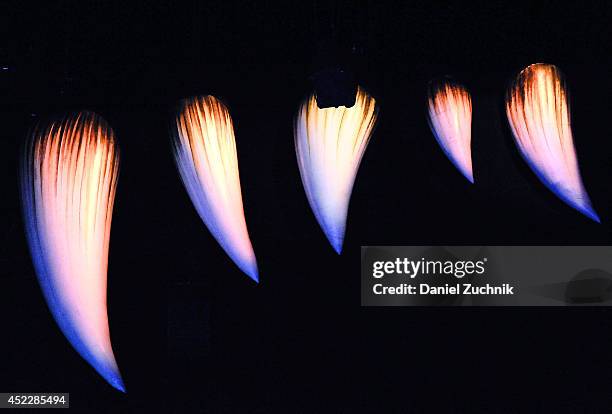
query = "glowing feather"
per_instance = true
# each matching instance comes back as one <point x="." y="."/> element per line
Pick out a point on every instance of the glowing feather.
<point x="329" y="144"/>
<point x="205" y="154"/>
<point x="68" y="180"/>
<point x="450" y="119"/>
<point x="539" y="116"/>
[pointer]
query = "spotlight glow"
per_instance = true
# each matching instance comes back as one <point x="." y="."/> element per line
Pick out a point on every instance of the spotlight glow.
<point x="329" y="144"/>
<point x="205" y="154"/>
<point x="539" y="116"/>
<point x="450" y="119"/>
<point x="68" y="180"/>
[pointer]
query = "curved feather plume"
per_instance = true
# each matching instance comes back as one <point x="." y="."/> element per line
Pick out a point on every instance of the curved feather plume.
<point x="205" y="154"/>
<point x="68" y="180"/>
<point x="538" y="112"/>
<point x="329" y="144"/>
<point x="450" y="119"/>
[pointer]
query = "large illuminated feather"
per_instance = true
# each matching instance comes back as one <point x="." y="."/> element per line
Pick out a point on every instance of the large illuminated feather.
<point x="329" y="144"/>
<point x="205" y="154"/>
<point x="68" y="180"/>
<point x="450" y="119"/>
<point x="538" y="112"/>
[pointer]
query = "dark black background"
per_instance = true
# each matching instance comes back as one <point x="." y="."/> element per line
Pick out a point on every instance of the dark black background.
<point x="193" y="334"/>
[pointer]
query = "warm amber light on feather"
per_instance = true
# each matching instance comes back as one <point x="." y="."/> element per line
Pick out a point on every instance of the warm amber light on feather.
<point x="69" y="177"/>
<point x="538" y="112"/>
<point x="450" y="118"/>
<point x="329" y="144"/>
<point x="205" y="154"/>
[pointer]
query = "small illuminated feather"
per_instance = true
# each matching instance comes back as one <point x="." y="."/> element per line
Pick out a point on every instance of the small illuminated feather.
<point x="205" y="154"/>
<point x="68" y="179"/>
<point x="329" y="144"/>
<point x="538" y="112"/>
<point x="450" y="119"/>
